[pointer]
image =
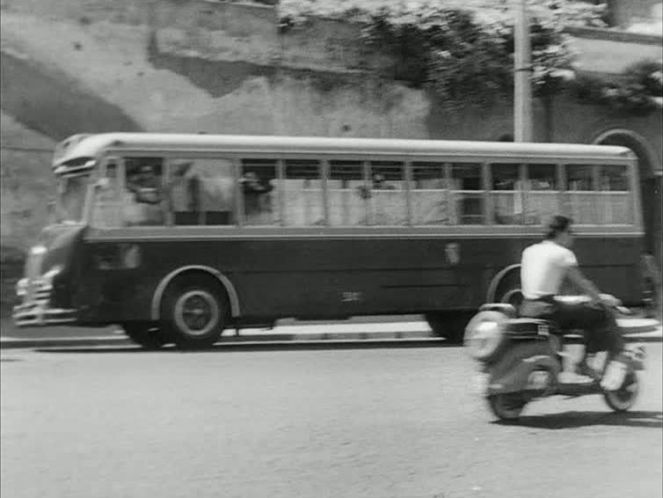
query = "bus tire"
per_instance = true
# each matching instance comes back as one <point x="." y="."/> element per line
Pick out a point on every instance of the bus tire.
<point x="146" y="335"/>
<point x="449" y="325"/>
<point x="194" y="312"/>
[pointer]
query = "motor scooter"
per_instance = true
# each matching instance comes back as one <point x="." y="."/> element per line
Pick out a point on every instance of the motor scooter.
<point x="522" y="359"/>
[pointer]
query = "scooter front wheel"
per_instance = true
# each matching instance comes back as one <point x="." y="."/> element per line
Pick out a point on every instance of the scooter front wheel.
<point x="507" y="406"/>
<point x="624" y="398"/>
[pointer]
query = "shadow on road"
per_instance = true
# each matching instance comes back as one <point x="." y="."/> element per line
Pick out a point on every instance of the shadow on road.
<point x="258" y="347"/>
<point x="575" y="419"/>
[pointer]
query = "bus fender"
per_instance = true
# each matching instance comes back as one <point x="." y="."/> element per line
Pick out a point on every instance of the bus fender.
<point x="497" y="280"/>
<point x="223" y="280"/>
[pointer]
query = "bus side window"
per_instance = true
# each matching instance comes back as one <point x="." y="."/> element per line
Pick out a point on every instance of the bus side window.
<point x="201" y="191"/>
<point x="542" y="197"/>
<point x="430" y="197"/>
<point x="144" y="199"/>
<point x="347" y="193"/>
<point x="302" y="193"/>
<point x="467" y="196"/>
<point x="259" y="188"/>
<point x="387" y="203"/>
<point x="580" y="193"/>
<point x="614" y="202"/>
<point x="507" y="194"/>
<point x="107" y="209"/>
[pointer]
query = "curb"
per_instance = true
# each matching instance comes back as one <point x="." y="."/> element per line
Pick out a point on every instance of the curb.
<point x="247" y="339"/>
<point x="255" y="336"/>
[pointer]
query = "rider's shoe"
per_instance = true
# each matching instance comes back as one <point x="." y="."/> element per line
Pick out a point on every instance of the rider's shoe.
<point x="583" y="368"/>
<point x="567" y="377"/>
<point x="614" y="375"/>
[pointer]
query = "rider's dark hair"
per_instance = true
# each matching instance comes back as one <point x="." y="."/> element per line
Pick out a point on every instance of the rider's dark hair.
<point x="557" y="225"/>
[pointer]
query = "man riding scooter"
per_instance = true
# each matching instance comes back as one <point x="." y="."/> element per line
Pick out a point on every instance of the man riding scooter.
<point x="544" y="267"/>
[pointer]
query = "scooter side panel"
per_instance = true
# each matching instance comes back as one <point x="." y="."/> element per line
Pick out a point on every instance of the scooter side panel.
<point x="511" y="372"/>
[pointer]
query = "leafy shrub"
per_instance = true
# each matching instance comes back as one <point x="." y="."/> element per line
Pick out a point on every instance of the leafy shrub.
<point x="462" y="51"/>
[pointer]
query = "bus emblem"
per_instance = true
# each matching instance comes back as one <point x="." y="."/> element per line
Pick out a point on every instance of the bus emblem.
<point x="452" y="252"/>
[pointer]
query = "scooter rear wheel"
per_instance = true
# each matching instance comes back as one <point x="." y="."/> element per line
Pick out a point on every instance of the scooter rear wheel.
<point x="507" y="406"/>
<point x="624" y="398"/>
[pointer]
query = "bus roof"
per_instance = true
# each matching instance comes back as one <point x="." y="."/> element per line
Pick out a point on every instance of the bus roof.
<point x="89" y="146"/>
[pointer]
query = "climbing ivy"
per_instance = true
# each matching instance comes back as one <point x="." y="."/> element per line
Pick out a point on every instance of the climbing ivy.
<point x="462" y="51"/>
<point x="638" y="90"/>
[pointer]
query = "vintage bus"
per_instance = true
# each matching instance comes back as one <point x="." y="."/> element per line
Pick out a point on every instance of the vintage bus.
<point x="176" y="237"/>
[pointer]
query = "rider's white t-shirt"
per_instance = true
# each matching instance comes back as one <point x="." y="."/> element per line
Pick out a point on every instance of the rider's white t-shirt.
<point x="543" y="267"/>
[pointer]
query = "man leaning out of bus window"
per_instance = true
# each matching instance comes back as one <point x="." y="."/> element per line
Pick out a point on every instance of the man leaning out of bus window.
<point x="544" y="268"/>
<point x="145" y="184"/>
<point x="254" y="189"/>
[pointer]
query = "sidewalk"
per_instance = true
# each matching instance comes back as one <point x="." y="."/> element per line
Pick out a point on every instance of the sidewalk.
<point x="639" y="330"/>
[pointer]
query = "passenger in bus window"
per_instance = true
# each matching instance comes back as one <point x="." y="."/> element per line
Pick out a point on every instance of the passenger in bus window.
<point x="202" y="191"/>
<point x="256" y="202"/>
<point x="379" y="183"/>
<point x="145" y="185"/>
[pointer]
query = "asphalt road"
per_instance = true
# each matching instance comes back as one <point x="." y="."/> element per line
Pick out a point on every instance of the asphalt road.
<point x="302" y="422"/>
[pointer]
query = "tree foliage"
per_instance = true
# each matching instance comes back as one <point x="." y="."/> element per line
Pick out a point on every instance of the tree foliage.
<point x="638" y="90"/>
<point x="461" y="50"/>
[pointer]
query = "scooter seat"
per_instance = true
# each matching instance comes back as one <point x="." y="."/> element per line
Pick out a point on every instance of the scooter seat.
<point x="529" y="328"/>
<point x="507" y="309"/>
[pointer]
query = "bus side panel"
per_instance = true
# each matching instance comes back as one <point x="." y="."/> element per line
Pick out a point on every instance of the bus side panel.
<point x="318" y="277"/>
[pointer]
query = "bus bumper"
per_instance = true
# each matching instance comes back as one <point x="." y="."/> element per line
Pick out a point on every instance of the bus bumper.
<point x="38" y="313"/>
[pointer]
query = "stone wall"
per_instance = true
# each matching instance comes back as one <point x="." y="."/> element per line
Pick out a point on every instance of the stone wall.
<point x="26" y="181"/>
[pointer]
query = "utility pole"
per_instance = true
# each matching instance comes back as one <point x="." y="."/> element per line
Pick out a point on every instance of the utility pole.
<point x="522" y="70"/>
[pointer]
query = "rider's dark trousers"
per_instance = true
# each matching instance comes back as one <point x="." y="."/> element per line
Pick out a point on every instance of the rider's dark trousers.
<point x="598" y="324"/>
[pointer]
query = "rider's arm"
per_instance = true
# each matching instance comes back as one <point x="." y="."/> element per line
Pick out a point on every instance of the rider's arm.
<point x="576" y="277"/>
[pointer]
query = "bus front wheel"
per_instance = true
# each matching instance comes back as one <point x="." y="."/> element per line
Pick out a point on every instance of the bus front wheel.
<point x="194" y="313"/>
<point x="450" y="325"/>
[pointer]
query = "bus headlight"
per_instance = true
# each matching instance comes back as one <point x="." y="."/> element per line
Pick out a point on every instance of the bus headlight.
<point x="47" y="278"/>
<point x="22" y="287"/>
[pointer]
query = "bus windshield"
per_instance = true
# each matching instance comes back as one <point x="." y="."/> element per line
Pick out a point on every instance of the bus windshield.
<point x="72" y="191"/>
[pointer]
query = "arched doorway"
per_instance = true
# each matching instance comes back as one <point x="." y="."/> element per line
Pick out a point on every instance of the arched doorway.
<point x="650" y="184"/>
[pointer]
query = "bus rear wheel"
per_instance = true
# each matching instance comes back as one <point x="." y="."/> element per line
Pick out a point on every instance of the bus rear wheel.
<point x="194" y="312"/>
<point x="146" y="335"/>
<point x="450" y="325"/>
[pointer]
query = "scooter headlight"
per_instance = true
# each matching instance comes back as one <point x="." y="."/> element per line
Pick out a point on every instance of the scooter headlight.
<point x="485" y="334"/>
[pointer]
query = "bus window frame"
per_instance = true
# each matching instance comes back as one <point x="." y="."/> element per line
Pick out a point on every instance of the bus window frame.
<point x="404" y="191"/>
<point x="279" y="161"/>
<point x="407" y="177"/>
<point x="634" y="195"/>
<point x="489" y="191"/>
<point x="168" y="160"/>
<point x="636" y="201"/>
<point x="100" y="172"/>
<point x="526" y="177"/>
<point x="324" y="171"/>
<point x="410" y="168"/>
<point x="407" y="158"/>
<point x="280" y="176"/>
